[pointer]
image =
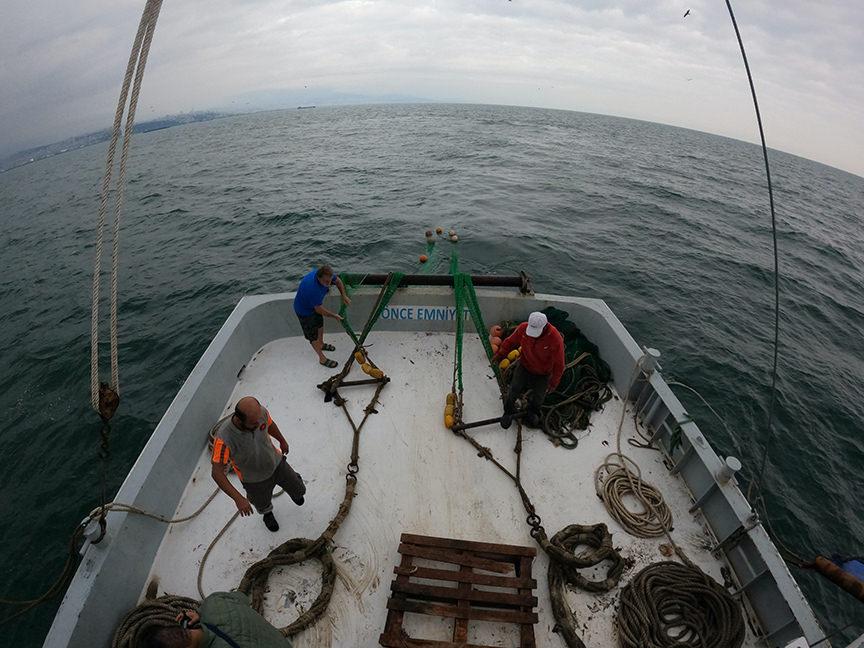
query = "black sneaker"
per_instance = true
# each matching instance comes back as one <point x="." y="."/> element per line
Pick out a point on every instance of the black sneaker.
<point x="270" y="522"/>
<point x="506" y="420"/>
<point x="298" y="500"/>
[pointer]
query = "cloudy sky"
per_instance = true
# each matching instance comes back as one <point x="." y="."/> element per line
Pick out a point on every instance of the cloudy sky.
<point x="61" y="62"/>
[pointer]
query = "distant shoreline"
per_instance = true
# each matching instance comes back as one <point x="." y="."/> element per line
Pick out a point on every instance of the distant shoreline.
<point x="32" y="155"/>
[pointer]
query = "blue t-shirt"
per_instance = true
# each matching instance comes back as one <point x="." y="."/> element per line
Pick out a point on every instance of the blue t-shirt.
<point x="310" y="294"/>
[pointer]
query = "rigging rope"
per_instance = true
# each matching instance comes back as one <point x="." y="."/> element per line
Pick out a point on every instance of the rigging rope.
<point x="135" y="66"/>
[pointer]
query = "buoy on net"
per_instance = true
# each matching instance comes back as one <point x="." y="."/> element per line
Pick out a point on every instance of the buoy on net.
<point x="495" y="340"/>
<point x="429" y="236"/>
<point x="513" y="355"/>
<point x="504" y="364"/>
<point x="439" y="231"/>
<point x="359" y="357"/>
<point x="454" y="238"/>
<point x="367" y="368"/>
<point x="495" y="348"/>
<point x="423" y="258"/>
<point x="376" y="373"/>
<point x="449" y="410"/>
<point x="496" y="331"/>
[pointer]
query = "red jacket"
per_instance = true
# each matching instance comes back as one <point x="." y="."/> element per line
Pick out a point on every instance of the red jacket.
<point x="542" y="355"/>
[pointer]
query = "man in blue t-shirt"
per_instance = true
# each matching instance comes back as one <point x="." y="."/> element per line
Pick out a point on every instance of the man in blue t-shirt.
<point x="308" y="304"/>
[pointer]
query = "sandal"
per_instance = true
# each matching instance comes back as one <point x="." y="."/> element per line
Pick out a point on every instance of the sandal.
<point x="328" y="347"/>
<point x="330" y="364"/>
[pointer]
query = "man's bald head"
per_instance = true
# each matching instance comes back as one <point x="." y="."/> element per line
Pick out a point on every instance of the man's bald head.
<point x="248" y="410"/>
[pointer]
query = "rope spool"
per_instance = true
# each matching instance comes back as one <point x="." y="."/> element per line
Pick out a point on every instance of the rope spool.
<point x="671" y="605"/>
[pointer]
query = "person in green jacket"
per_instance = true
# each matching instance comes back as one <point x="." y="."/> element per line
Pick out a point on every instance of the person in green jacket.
<point x="224" y="620"/>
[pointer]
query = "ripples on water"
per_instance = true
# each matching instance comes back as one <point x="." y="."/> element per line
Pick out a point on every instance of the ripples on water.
<point x="669" y="226"/>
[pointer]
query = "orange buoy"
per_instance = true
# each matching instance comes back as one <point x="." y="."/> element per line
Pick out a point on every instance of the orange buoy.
<point x="448" y="421"/>
<point x="496" y="331"/>
<point x="495" y="348"/>
<point x="439" y="230"/>
<point x="496" y="341"/>
<point x="423" y="258"/>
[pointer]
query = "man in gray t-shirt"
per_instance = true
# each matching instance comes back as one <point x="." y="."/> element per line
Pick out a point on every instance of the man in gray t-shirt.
<point x="243" y="441"/>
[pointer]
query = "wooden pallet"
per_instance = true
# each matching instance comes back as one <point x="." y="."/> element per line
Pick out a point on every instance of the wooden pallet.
<point x="456" y="597"/>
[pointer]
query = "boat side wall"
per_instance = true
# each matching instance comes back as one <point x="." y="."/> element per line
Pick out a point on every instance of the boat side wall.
<point x="112" y="574"/>
<point x="111" y="577"/>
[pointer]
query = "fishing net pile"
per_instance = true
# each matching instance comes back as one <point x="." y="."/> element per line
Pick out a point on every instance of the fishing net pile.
<point x="584" y="385"/>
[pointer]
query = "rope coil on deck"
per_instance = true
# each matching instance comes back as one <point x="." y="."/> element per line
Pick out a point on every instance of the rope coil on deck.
<point x="151" y="613"/>
<point x="671" y="605"/>
<point x="292" y="552"/>
<point x="614" y="481"/>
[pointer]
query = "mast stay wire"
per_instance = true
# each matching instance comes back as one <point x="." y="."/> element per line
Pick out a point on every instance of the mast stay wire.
<point x="756" y="483"/>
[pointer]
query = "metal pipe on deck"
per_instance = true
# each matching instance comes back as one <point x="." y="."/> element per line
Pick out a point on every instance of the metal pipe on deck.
<point x="521" y="281"/>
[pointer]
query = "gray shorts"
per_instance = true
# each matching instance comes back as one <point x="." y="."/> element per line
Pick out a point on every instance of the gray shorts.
<point x="260" y="494"/>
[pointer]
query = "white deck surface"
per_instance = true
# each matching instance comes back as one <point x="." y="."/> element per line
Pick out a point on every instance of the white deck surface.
<point x="416" y="477"/>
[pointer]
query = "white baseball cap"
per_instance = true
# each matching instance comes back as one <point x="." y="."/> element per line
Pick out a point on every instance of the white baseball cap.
<point x="536" y="323"/>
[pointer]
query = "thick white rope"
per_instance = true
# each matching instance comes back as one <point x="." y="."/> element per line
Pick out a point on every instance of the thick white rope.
<point x="136" y="63"/>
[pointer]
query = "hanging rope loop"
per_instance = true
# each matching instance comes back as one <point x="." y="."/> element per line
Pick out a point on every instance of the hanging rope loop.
<point x="131" y="80"/>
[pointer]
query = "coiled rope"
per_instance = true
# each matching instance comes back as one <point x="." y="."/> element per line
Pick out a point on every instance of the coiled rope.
<point x="670" y="605"/>
<point x="615" y="481"/>
<point x="151" y="613"/>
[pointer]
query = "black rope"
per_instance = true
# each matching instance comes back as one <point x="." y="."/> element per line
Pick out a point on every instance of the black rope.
<point x="757" y="483"/>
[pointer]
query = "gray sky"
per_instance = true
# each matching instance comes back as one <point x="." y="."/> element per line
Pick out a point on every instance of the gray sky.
<point x="61" y="62"/>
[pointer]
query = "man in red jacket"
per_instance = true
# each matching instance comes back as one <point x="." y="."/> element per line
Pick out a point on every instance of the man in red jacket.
<point x="541" y="363"/>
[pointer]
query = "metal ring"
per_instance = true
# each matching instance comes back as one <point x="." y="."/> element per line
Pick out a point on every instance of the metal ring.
<point x="353" y="468"/>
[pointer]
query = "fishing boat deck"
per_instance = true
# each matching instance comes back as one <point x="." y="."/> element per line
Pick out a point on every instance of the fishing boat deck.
<point x="415" y="477"/>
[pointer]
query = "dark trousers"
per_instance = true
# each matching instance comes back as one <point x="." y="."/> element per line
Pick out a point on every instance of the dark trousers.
<point x="260" y="494"/>
<point x="522" y="381"/>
